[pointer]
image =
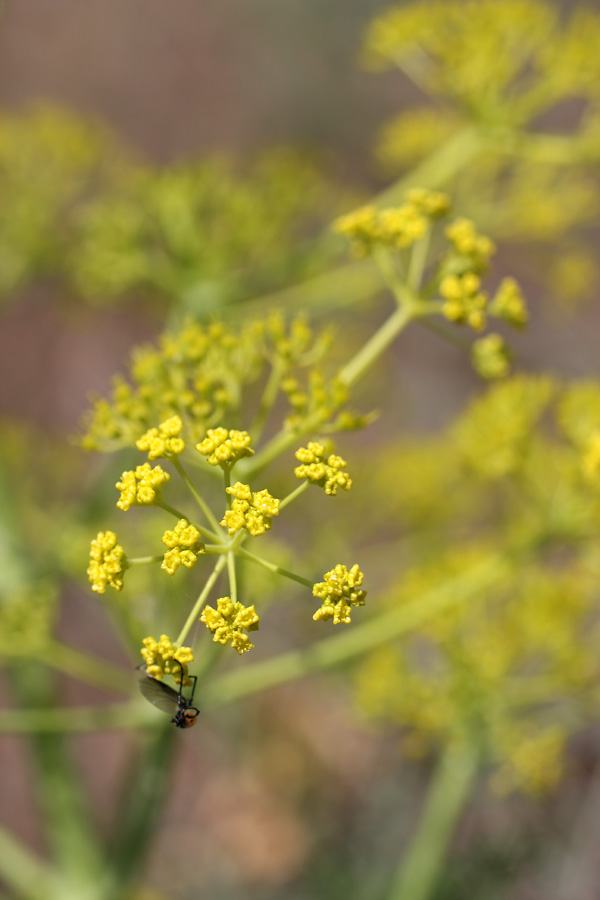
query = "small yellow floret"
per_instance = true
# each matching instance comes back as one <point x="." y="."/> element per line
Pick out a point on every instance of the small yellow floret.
<point x="465" y="303"/>
<point x="489" y="356"/>
<point x="509" y="303"/>
<point x="161" y="658"/>
<point x="463" y="235"/>
<point x="184" y="547"/>
<point x="249" y="510"/>
<point x="326" y="472"/>
<point x="141" y="487"/>
<point x="227" y="621"/>
<point x="590" y="464"/>
<point x="223" y="448"/>
<point x="164" y="440"/>
<point x="107" y="562"/>
<point x="339" y="593"/>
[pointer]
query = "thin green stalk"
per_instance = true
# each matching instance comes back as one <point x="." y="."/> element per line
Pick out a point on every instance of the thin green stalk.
<point x="359" y="639"/>
<point x="218" y="568"/>
<point x="197" y="497"/>
<point x="272" y="567"/>
<point x="418" y="261"/>
<point x="69" y="830"/>
<point x="267" y="401"/>
<point x="376" y="345"/>
<point x="231" y="573"/>
<point x="84" y="667"/>
<point x="143" y="800"/>
<point x="292" y="496"/>
<point x="281" y="442"/>
<point x="205" y="532"/>
<point x="25" y="874"/>
<point x="76" y="718"/>
<point x="420" y="869"/>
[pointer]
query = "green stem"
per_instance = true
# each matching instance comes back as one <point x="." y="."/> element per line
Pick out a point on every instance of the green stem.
<point x="421" y="867"/>
<point x="342" y="648"/>
<point x="439" y="168"/>
<point x="25" y="874"/>
<point x="67" y="822"/>
<point x="375" y="346"/>
<point x="218" y="568"/>
<point x="75" y="719"/>
<point x="292" y="496"/>
<point x="272" y="567"/>
<point x="85" y="667"/>
<point x="231" y="573"/>
<point x="143" y="799"/>
<point x="266" y="402"/>
<point x="197" y="497"/>
<point x="278" y="444"/>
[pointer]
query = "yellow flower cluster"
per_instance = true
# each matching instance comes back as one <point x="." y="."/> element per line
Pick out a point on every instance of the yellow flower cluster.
<point x="164" y="440"/>
<point x="141" y="487"/>
<point x="339" y="593"/>
<point x="465" y="240"/>
<point x="590" y="464"/>
<point x="395" y="227"/>
<point x="161" y="658"/>
<point x="325" y="472"/>
<point x="249" y="510"/>
<point x="465" y="302"/>
<point x="489" y="356"/>
<point x="223" y="448"/>
<point x="107" y="562"/>
<point x="229" y="621"/>
<point x="201" y="373"/>
<point x="317" y="403"/>
<point x="509" y="304"/>
<point x="184" y="547"/>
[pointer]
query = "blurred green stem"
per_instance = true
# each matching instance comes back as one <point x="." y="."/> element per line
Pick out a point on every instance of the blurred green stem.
<point x="23" y="873"/>
<point x="142" y="801"/>
<point x="420" y="869"/>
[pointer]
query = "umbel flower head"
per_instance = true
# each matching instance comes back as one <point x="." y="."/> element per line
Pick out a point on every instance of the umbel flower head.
<point x="229" y="621"/>
<point x="339" y="593"/>
<point x="163" y="657"/>
<point x="324" y="471"/>
<point x="223" y="448"/>
<point x="107" y="562"/>
<point x="141" y="487"/>
<point x="164" y="440"/>
<point x="184" y="547"/>
<point x="249" y="510"/>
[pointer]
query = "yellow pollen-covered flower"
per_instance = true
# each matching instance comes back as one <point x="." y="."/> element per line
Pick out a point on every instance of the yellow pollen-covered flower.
<point x="184" y="547"/>
<point x="164" y="440"/>
<point x="489" y="356"/>
<point x="590" y="464"/>
<point x="465" y="303"/>
<point x="223" y="448"/>
<point x="162" y="658"/>
<point x="396" y="227"/>
<point x="249" y="510"/>
<point x="509" y="304"/>
<point x="326" y="472"/>
<point x="228" y="622"/>
<point x="141" y="487"/>
<point x="339" y="593"/>
<point x="463" y="235"/>
<point x="107" y="562"/>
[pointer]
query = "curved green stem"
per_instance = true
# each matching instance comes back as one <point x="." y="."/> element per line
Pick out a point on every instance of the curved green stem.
<point x="360" y="639"/>
<point x="218" y="568"/>
<point x="420" y="869"/>
<point x="84" y="667"/>
<point x="197" y="497"/>
<point x="375" y="346"/>
<point x="292" y="496"/>
<point x="272" y="567"/>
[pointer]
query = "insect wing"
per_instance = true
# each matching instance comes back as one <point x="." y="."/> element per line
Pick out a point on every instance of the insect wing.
<point x="159" y="694"/>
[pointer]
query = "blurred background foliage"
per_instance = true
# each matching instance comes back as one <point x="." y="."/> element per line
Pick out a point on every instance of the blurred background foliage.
<point x="326" y="786"/>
